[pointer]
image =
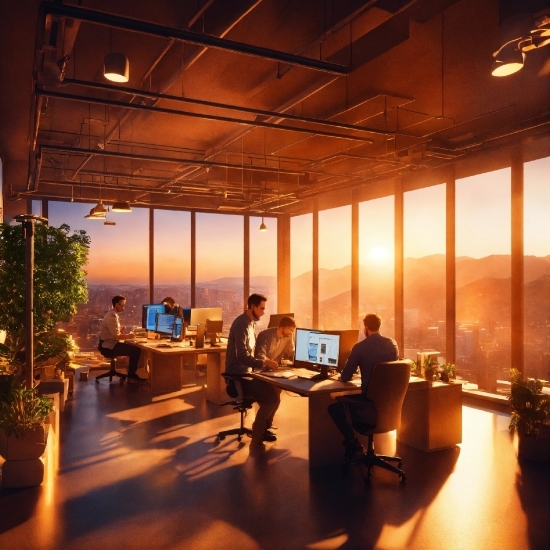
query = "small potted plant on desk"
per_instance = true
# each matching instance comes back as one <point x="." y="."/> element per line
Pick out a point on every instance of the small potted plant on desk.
<point x="23" y="436"/>
<point x="530" y="417"/>
<point x="447" y="372"/>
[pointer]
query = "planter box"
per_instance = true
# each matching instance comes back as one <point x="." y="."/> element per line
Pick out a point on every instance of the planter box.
<point x="22" y="473"/>
<point x="28" y="447"/>
<point x="536" y="449"/>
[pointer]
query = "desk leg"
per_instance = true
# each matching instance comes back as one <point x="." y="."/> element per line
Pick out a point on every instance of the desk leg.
<point x="325" y="441"/>
<point x="215" y="384"/>
<point x="165" y="375"/>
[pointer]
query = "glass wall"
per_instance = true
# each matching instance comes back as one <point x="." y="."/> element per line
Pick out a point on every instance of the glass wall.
<point x="537" y="268"/>
<point x="220" y="264"/>
<point x="377" y="262"/>
<point x="335" y="268"/>
<point x="118" y="263"/>
<point x="424" y="270"/>
<point x="483" y="269"/>
<point x="263" y="264"/>
<point x="172" y="256"/>
<point x="301" y="265"/>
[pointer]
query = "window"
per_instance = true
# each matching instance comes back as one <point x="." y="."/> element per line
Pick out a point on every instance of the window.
<point x="301" y="264"/>
<point x="220" y="264"/>
<point x="537" y="268"/>
<point x="483" y="270"/>
<point x="263" y="264"/>
<point x="172" y="256"/>
<point x="335" y="268"/>
<point x="376" y="262"/>
<point x="424" y="270"/>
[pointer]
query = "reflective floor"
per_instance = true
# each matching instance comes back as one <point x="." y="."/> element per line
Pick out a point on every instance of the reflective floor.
<point x="134" y="471"/>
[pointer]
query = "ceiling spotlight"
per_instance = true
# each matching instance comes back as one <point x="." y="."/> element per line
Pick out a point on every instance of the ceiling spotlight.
<point x="121" y="206"/>
<point x="508" y="60"/>
<point x="116" y="67"/>
<point x="263" y="226"/>
<point x="99" y="208"/>
<point x="96" y="215"/>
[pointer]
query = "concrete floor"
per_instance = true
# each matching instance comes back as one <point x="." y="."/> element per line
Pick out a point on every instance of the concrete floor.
<point x="136" y="471"/>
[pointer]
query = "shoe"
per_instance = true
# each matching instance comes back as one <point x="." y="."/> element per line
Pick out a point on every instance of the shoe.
<point x="269" y="436"/>
<point x="257" y="448"/>
<point x="353" y="447"/>
<point x="137" y="379"/>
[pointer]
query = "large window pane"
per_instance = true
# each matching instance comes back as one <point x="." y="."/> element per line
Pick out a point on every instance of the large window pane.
<point x="219" y="246"/>
<point x="424" y="270"/>
<point x="335" y="268"/>
<point x="301" y="264"/>
<point x="172" y="255"/>
<point x="537" y="268"/>
<point x="376" y="262"/>
<point x="118" y="263"/>
<point x="483" y="269"/>
<point x="263" y="264"/>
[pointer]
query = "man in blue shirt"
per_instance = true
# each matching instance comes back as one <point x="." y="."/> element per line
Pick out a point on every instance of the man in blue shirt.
<point x="239" y="360"/>
<point x="365" y="355"/>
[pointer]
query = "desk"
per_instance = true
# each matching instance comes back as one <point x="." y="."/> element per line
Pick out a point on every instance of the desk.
<point x="324" y="440"/>
<point x="166" y="365"/>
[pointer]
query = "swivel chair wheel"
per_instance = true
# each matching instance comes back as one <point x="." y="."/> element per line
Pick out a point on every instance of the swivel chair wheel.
<point x="221" y="437"/>
<point x="240" y="438"/>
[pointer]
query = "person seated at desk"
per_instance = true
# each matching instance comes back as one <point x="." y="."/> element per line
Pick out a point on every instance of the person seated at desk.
<point x="170" y="306"/>
<point x="276" y="343"/>
<point x="239" y="360"/>
<point x="111" y="334"/>
<point x="374" y="349"/>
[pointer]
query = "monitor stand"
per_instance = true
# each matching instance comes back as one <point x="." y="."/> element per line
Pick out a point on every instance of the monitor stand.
<point x="323" y="375"/>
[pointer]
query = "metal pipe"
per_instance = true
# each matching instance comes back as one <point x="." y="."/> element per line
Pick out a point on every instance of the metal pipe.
<point x="143" y="27"/>
<point x="218" y="118"/>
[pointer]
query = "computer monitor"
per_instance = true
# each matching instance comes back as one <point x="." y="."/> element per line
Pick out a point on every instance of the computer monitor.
<point x="199" y="315"/>
<point x="213" y="328"/>
<point x="275" y="319"/>
<point x="316" y="349"/>
<point x="165" y="324"/>
<point x="178" y="332"/>
<point x="149" y="315"/>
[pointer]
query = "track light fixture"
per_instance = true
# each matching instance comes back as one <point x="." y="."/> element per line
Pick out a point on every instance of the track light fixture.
<point x="121" y="206"/>
<point x="116" y="67"/>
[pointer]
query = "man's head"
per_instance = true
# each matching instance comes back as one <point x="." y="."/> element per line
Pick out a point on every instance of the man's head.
<point x="287" y="326"/>
<point x="169" y="301"/>
<point x="372" y="322"/>
<point x="256" y="306"/>
<point x="119" y="303"/>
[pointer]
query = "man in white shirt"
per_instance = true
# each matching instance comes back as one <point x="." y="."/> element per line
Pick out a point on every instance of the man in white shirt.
<point x="112" y="333"/>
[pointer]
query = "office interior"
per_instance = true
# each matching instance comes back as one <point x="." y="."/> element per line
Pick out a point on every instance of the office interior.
<point x="341" y="157"/>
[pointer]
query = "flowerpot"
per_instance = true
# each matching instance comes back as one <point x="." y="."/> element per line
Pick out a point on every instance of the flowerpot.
<point x="536" y="449"/>
<point x="29" y="446"/>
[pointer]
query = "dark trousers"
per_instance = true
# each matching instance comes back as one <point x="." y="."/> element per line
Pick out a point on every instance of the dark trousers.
<point x="357" y="410"/>
<point x="126" y="350"/>
<point x="268" y="398"/>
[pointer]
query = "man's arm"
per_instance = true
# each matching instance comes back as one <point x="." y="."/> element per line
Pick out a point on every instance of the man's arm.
<point x="241" y="349"/>
<point x="260" y="351"/>
<point x="289" y="348"/>
<point x="351" y="365"/>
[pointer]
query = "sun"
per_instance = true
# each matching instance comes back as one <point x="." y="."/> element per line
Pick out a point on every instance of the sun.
<point x="379" y="254"/>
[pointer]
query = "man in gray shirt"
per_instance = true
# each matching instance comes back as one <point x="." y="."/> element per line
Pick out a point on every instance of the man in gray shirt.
<point x="240" y="360"/>
<point x="276" y="343"/>
<point x="365" y="355"/>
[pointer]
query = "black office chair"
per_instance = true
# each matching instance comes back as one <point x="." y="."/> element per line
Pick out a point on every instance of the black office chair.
<point x="107" y="353"/>
<point x="234" y="388"/>
<point x="386" y="389"/>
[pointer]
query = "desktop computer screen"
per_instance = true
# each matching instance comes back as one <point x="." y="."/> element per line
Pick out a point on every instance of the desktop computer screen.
<point x="275" y="318"/>
<point x="178" y="332"/>
<point x="149" y="315"/>
<point x="165" y="323"/>
<point x="316" y="348"/>
<point x="201" y="314"/>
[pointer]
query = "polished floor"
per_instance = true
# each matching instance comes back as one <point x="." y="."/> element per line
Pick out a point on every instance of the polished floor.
<point x="136" y="471"/>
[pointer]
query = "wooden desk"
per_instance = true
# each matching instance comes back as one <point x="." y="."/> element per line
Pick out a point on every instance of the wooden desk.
<point x="324" y="440"/>
<point x="166" y="366"/>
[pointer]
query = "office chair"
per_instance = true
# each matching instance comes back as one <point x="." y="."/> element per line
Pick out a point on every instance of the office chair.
<point x="240" y="403"/>
<point x="386" y="389"/>
<point x="112" y="370"/>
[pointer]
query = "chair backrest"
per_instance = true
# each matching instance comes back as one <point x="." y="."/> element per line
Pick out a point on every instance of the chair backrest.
<point x="237" y="384"/>
<point x="387" y="387"/>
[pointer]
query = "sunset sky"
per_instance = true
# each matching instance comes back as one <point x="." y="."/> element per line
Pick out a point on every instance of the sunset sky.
<point x="119" y="254"/>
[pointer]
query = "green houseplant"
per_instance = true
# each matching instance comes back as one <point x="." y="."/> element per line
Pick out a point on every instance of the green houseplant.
<point x="530" y="417"/>
<point x="59" y="287"/>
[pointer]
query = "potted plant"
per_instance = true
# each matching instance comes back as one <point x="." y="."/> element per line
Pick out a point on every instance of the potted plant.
<point x="447" y="372"/>
<point x="530" y="417"/>
<point x="23" y="437"/>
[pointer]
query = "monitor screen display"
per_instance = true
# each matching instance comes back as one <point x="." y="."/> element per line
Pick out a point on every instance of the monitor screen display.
<point x="201" y="314"/>
<point x="165" y="323"/>
<point x="178" y="325"/>
<point x="317" y="348"/>
<point x="149" y="315"/>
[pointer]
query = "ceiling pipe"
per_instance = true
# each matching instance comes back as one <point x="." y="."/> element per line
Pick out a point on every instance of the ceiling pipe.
<point x="143" y="27"/>
<point x="218" y="118"/>
<point x="259" y="112"/>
